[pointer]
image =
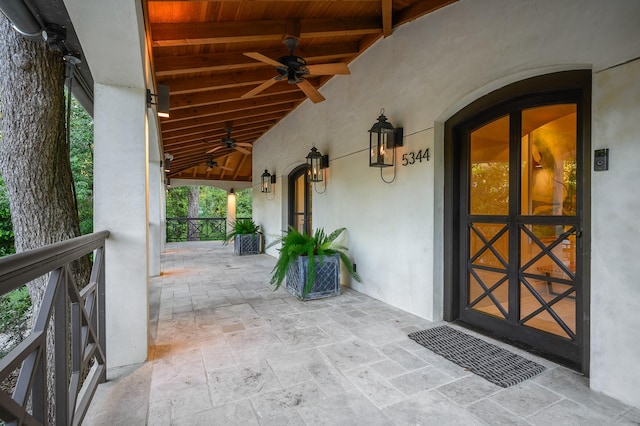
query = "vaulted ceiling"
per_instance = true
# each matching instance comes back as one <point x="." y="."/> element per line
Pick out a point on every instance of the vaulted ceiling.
<point x="219" y="60"/>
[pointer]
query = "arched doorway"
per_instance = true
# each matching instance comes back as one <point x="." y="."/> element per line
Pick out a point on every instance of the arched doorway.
<point x="300" y="200"/>
<point x="516" y="220"/>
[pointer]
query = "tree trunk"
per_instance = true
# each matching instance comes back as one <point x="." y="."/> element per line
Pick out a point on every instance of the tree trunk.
<point x="34" y="156"/>
<point x="193" y="210"/>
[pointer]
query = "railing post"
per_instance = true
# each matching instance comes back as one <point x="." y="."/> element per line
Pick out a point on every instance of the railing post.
<point x="100" y="256"/>
<point x="61" y="345"/>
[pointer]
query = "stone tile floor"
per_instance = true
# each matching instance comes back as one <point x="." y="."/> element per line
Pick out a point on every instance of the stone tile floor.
<point x="227" y="350"/>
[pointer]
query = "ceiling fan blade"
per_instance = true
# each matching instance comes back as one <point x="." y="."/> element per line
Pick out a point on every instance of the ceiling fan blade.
<point x="226" y="168"/>
<point x="246" y="144"/>
<point x="217" y="148"/>
<point x="311" y="92"/>
<point x="329" y="69"/>
<point x="260" y="88"/>
<point x="243" y="150"/>
<point x="260" y="57"/>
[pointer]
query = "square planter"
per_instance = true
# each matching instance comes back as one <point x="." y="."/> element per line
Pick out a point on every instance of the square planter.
<point x="327" y="281"/>
<point x="247" y="244"/>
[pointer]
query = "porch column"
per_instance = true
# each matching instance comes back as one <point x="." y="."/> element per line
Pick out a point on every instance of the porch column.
<point x="120" y="206"/>
<point x="156" y="187"/>
<point x="231" y="210"/>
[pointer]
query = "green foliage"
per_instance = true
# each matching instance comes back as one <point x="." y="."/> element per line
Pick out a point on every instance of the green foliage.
<point x="177" y="201"/>
<point x="81" y="157"/>
<point x="14" y="307"/>
<point x="244" y="202"/>
<point x="6" y="228"/>
<point x="295" y="244"/>
<point x="242" y="227"/>
<point x="213" y="202"/>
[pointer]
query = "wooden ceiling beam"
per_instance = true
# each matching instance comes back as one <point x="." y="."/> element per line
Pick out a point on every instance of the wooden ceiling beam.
<point x="233" y="94"/>
<point x="225" y="117"/>
<point x="387" y="23"/>
<point x="268" y="113"/>
<point x="211" y="128"/>
<point x="188" y="161"/>
<point x="189" y="100"/>
<point x="202" y="127"/>
<point x="211" y="142"/>
<point x="193" y="33"/>
<point x="218" y="81"/>
<point x="244" y="158"/>
<point x="188" y="64"/>
<point x="234" y="106"/>
<point x="418" y="9"/>
<point x="213" y="135"/>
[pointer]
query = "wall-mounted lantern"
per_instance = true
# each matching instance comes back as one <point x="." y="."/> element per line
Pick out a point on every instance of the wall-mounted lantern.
<point x="383" y="139"/>
<point x="162" y="100"/>
<point x="267" y="181"/>
<point x="167" y="162"/>
<point x="316" y="163"/>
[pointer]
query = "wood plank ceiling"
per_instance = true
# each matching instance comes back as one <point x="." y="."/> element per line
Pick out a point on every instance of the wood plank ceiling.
<point x="199" y="52"/>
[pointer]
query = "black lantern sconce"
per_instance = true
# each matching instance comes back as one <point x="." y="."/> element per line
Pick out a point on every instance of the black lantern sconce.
<point x="162" y="98"/>
<point x="383" y="140"/>
<point x="316" y="163"/>
<point x="167" y="162"/>
<point x="267" y="181"/>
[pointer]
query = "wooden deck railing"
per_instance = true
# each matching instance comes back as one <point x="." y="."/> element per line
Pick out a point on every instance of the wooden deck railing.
<point x="80" y="352"/>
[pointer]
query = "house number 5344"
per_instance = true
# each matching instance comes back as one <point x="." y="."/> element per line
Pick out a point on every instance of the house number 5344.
<point x="409" y="158"/>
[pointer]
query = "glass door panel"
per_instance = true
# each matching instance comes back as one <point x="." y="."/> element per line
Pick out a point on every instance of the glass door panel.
<point x="548" y="250"/>
<point x="488" y="243"/>
<point x="300" y="200"/>
<point x="489" y="173"/>
<point x="548" y="171"/>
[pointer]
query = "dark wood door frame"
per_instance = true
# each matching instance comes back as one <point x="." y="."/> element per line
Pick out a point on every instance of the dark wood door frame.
<point x="578" y="81"/>
<point x="293" y="176"/>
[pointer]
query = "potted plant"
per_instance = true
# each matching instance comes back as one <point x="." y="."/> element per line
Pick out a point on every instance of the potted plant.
<point x="246" y="236"/>
<point x="311" y="264"/>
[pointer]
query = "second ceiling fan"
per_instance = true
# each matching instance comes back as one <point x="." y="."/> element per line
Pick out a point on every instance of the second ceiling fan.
<point x="230" y="143"/>
<point x="295" y="69"/>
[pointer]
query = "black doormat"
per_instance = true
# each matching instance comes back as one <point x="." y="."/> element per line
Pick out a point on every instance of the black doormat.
<point x="497" y="365"/>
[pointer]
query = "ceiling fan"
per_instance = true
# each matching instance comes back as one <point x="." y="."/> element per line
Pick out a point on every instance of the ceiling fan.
<point x="211" y="164"/>
<point x="295" y="69"/>
<point x="230" y="143"/>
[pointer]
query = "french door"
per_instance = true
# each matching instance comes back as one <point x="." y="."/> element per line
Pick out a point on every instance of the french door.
<point x="300" y="200"/>
<point x="520" y="222"/>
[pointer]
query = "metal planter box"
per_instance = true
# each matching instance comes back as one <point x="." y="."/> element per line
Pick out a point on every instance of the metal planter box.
<point x="327" y="277"/>
<point x="246" y="244"/>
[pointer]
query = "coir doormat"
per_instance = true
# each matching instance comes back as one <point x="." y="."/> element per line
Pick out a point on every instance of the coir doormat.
<point x="495" y="364"/>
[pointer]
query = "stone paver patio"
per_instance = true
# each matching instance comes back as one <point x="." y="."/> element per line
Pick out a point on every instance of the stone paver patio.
<point x="227" y="350"/>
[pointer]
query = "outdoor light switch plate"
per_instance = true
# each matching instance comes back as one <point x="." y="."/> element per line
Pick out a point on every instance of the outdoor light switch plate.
<point x="601" y="159"/>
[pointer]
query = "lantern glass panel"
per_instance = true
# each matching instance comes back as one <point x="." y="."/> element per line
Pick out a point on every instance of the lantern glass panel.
<point x="380" y="148"/>
<point x="314" y="164"/>
<point x="266" y="182"/>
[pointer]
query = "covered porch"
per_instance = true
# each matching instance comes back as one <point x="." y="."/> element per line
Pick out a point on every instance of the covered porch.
<point x="225" y="349"/>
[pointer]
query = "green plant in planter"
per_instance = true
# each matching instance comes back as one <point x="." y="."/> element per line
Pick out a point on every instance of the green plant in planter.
<point x="246" y="237"/>
<point x="243" y="227"/>
<point x="296" y="244"/>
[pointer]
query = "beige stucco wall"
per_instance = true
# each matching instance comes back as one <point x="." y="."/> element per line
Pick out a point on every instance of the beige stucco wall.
<point x="421" y="75"/>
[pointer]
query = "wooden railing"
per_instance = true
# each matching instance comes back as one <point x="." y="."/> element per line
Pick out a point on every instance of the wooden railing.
<point x="79" y="334"/>
<point x="181" y="229"/>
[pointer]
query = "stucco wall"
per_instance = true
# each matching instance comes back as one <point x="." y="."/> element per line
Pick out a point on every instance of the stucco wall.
<point x="615" y="290"/>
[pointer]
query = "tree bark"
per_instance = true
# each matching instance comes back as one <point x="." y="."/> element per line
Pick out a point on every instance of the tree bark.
<point x="193" y="210"/>
<point x="34" y="156"/>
